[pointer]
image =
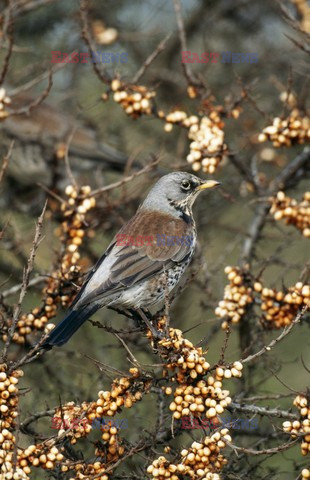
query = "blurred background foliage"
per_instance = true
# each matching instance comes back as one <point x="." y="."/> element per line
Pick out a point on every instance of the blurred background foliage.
<point x="223" y="218"/>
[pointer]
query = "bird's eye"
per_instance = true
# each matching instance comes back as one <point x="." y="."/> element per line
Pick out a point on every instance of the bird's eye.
<point x="185" y="185"/>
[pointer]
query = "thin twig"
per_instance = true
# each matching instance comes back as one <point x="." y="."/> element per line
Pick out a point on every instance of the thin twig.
<point x="283" y="334"/>
<point x="160" y="47"/>
<point x="101" y="73"/>
<point x="33" y="418"/>
<point x="16" y="288"/>
<point x="5" y="161"/>
<point x="268" y="451"/>
<point x="25" y="284"/>
<point x="119" y="183"/>
<point x="290" y="171"/>
<point x="28" y="108"/>
<point x="132" y="357"/>
<point x="50" y="192"/>
<point x="254" y="409"/>
<point x="187" y="71"/>
<point x="32" y="83"/>
<point x="9" y="34"/>
<point x="67" y="163"/>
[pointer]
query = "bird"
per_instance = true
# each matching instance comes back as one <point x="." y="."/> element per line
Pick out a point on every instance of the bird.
<point x="145" y="260"/>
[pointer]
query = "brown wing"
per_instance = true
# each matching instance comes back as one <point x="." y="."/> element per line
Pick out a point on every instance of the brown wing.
<point x="145" y="254"/>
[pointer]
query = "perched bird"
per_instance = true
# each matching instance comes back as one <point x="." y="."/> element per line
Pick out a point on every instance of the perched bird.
<point x="144" y="260"/>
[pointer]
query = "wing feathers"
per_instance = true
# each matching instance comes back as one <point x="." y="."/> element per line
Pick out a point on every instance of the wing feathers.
<point x="125" y="265"/>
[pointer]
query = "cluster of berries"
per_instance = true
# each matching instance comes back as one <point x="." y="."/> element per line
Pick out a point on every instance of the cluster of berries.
<point x="114" y="449"/>
<point x="16" y="462"/>
<point x="4" y="100"/>
<point x="125" y="391"/>
<point x="205" y="396"/>
<point x="8" y="396"/>
<point x="71" y="232"/>
<point x="280" y="308"/>
<point x="35" y="320"/>
<point x="187" y="360"/>
<point x="302" y="426"/>
<point x="69" y="415"/>
<point x="287" y="131"/>
<point x="136" y="100"/>
<point x="178" y="117"/>
<point x="292" y="212"/>
<point x="203" y="460"/>
<point x="206" y="133"/>
<point x="9" y="412"/>
<point x="237" y="296"/>
<point x="85" y="471"/>
<point x="109" y="451"/>
<point x="207" y="147"/>
<point x="41" y="455"/>
<point x="194" y="395"/>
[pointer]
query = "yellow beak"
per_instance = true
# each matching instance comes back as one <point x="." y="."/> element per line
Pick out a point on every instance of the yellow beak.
<point x="208" y="184"/>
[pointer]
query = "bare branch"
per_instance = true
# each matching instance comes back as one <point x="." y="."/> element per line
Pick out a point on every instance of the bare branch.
<point x="160" y="47"/>
<point x="125" y="180"/>
<point x="282" y="335"/>
<point x="37" y="101"/>
<point x="191" y="79"/>
<point x="255" y="410"/>
<point x="5" y="161"/>
<point x="25" y="284"/>
<point x="267" y="451"/>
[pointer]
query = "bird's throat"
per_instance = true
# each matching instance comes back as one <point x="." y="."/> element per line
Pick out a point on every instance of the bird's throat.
<point x="183" y="210"/>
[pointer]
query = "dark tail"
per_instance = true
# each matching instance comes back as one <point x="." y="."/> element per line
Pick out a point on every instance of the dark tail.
<point x="68" y="326"/>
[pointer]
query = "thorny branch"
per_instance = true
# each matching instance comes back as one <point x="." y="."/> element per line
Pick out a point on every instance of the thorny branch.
<point x="282" y="335"/>
<point x="191" y="79"/>
<point x="25" y="284"/>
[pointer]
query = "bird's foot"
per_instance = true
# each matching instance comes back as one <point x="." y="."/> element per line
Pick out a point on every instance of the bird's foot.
<point x="146" y="316"/>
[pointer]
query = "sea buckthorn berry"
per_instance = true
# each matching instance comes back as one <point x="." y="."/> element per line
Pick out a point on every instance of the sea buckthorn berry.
<point x="291" y="212"/>
<point x="238" y="294"/>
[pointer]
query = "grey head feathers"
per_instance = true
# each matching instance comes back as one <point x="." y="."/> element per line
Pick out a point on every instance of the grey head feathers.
<point x="172" y="193"/>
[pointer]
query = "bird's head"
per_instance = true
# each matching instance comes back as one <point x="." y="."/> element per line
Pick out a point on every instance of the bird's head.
<point x="178" y="190"/>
